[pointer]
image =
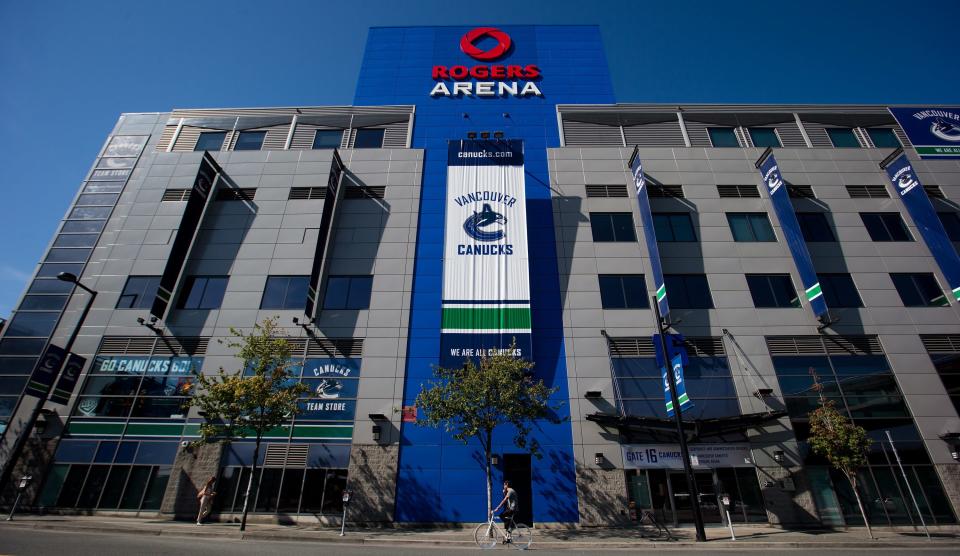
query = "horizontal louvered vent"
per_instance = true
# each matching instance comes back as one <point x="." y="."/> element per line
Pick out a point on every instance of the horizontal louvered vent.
<point x="934" y="191"/>
<point x="297" y="346"/>
<point x="337" y="347"/>
<point x="818" y="345"/>
<point x="738" y="191"/>
<point x="166" y="137"/>
<point x="135" y="345"/>
<point x="365" y="192"/>
<point x="582" y="134"/>
<point x="867" y="192"/>
<point x="800" y="192"/>
<point x="655" y="191"/>
<point x="607" y="190"/>
<point x="176" y="195"/>
<point x="631" y="347"/>
<point x="818" y="135"/>
<point x="395" y="135"/>
<point x="307" y="193"/>
<point x="659" y="134"/>
<point x="902" y="137"/>
<point x="708" y="346"/>
<point x="236" y="194"/>
<point x="286" y="455"/>
<point x="941" y="343"/>
<point x="790" y="135"/>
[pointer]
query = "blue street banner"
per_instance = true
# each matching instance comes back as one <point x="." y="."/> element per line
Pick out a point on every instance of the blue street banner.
<point x="68" y="379"/>
<point x="646" y="218"/>
<point x="914" y="197"/>
<point x="677" y="355"/>
<point x="46" y="371"/>
<point x="933" y="131"/>
<point x="777" y="189"/>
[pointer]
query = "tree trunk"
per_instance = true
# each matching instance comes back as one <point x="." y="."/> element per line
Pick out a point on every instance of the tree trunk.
<point x="246" y="497"/>
<point x="863" y="513"/>
<point x="488" y="441"/>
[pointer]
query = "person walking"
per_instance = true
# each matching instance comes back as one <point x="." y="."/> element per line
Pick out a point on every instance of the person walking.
<point x="510" y="504"/>
<point x="205" y="496"/>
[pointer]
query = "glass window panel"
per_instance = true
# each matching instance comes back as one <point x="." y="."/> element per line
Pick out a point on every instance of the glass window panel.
<point x="635" y="367"/>
<point x="626" y="291"/>
<point x="112" y="385"/>
<point x="83" y="225"/>
<point x="76" y="240"/>
<point x="673" y="227"/>
<point x="52" y="485"/>
<point x="72" y="486"/>
<point x="165" y="408"/>
<point x="369" y="139"/>
<point x="113" y="488"/>
<point x="7" y="403"/>
<point x="651" y="388"/>
<point x="723" y="137"/>
<point x="883" y="138"/>
<point x="623" y="226"/>
<point x="50" y="286"/>
<point x="250" y="141"/>
<point x="269" y="490"/>
<point x="101" y="199"/>
<point x="274" y="292"/>
<point x="112" y="163"/>
<point x="919" y="290"/>
<point x="22" y="346"/>
<point x="105" y="452"/>
<point x="226" y="488"/>
<point x="951" y="224"/>
<point x="327" y="138"/>
<point x="103" y="407"/>
<point x="94" y="485"/>
<point x="815" y="227"/>
<point x="860" y="365"/>
<point x="125" y="145"/>
<point x="764" y="137"/>
<point x="839" y="290"/>
<point x="17" y="365"/>
<point x="885" y="226"/>
<point x="750" y="226"/>
<point x="139" y="292"/>
<point x="76" y="451"/>
<point x="333" y="491"/>
<point x="843" y="137"/>
<point x="932" y="490"/>
<point x="313" y="491"/>
<point x="43" y="303"/>
<point x="359" y="296"/>
<point x="210" y="141"/>
<point x="12" y="385"/>
<point x="772" y="290"/>
<point x="296" y="295"/>
<point x="136" y="485"/>
<point x="67" y="255"/>
<point x="51" y="270"/>
<point x="875" y="406"/>
<point x="204" y="292"/>
<point x="762" y="231"/>
<point x="125" y="452"/>
<point x="103" y="187"/>
<point x="155" y="488"/>
<point x="213" y="293"/>
<point x="601" y="226"/>
<point x="90" y="213"/>
<point x="32" y="324"/>
<point x="688" y="291"/>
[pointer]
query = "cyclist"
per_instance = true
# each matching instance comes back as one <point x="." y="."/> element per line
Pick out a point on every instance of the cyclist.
<point x="510" y="503"/>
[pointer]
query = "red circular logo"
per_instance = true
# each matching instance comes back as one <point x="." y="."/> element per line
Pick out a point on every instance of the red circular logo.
<point x="468" y="48"/>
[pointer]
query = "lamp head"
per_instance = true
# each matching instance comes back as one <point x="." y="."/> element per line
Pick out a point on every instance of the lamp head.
<point x="67" y="277"/>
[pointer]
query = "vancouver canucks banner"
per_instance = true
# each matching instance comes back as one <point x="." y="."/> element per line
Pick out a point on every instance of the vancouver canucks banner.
<point x="677" y="354"/>
<point x="646" y="217"/>
<point x="486" y="277"/>
<point x="934" y="131"/>
<point x="46" y="371"/>
<point x="783" y="208"/>
<point x="914" y="197"/>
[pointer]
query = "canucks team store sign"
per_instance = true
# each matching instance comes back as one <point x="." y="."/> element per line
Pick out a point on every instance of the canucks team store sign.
<point x="486" y="275"/>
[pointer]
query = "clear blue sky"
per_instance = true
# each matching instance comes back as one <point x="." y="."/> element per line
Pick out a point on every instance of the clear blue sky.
<point x="68" y="69"/>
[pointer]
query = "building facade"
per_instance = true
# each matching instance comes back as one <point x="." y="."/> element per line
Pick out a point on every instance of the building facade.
<point x="342" y="222"/>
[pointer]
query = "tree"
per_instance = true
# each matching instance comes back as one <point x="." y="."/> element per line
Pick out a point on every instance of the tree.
<point x="840" y="441"/>
<point x="255" y="399"/>
<point x="472" y="401"/>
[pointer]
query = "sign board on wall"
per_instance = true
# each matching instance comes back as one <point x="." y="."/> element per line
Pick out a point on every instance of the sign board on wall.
<point x="667" y="456"/>
<point x="934" y="132"/>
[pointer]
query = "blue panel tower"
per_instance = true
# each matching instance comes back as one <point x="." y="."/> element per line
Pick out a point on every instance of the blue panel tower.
<point x="440" y="479"/>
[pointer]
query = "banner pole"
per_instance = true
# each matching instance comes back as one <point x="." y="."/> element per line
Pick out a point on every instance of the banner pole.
<point x="909" y="488"/>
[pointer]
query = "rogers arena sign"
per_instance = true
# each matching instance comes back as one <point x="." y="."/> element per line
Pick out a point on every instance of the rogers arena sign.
<point x="498" y="80"/>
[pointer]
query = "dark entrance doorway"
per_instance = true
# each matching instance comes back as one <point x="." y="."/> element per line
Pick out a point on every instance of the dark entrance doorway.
<point x="516" y="469"/>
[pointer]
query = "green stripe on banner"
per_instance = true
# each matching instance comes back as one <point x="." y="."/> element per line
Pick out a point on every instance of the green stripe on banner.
<point x="323" y="431"/>
<point x="173" y="430"/>
<point x="814" y="292"/>
<point x="485" y="318"/>
<point x="956" y="294"/>
<point x="662" y="292"/>
<point x="934" y="151"/>
<point x="83" y="428"/>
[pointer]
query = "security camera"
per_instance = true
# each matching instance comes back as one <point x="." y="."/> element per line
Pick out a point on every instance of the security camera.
<point x="184" y="443"/>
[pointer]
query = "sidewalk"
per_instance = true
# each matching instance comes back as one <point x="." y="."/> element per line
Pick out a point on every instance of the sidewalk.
<point x="748" y="537"/>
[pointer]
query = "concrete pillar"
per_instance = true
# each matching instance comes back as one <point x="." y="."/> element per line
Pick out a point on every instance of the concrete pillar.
<point x="191" y="469"/>
<point x="787" y="496"/>
<point x="372" y="476"/>
<point x="602" y="496"/>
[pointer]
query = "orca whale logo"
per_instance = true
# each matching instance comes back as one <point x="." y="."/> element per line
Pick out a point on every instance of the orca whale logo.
<point x="945" y="130"/>
<point x="329" y="388"/>
<point x="476" y="223"/>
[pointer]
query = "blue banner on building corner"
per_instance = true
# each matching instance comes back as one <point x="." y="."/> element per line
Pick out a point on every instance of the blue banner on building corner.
<point x="677" y="355"/>
<point x="933" y="131"/>
<point x="46" y="371"/>
<point x="68" y="379"/>
<point x="914" y="197"/>
<point x="646" y="218"/>
<point x="777" y="189"/>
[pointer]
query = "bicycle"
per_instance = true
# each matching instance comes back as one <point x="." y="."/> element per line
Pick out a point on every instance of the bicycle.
<point x="647" y="518"/>
<point x="489" y="534"/>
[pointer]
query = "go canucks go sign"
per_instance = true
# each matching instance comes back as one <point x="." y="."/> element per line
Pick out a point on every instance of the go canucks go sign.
<point x="486" y="80"/>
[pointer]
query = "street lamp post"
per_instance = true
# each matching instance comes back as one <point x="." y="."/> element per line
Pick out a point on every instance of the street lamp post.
<point x="28" y="428"/>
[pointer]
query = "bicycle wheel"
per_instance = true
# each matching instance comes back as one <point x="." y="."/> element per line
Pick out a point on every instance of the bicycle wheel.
<point x="521" y="537"/>
<point x="487" y="535"/>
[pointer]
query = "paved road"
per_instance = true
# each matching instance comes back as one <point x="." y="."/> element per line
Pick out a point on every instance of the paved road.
<point x="16" y="541"/>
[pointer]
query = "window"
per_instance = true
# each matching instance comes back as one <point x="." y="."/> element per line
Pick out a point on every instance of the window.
<point x="948" y="367"/>
<point x="368" y="139"/>
<point x="772" y="290"/>
<point x="839" y="291"/>
<point x="139" y="292"/>
<point x="723" y="137"/>
<point x="951" y="223"/>
<point x="750" y="226"/>
<point x="764" y="137"/>
<point x="327" y="138"/>
<point x="612" y="226"/>
<point x="708" y="380"/>
<point x="250" y="141"/>
<point x="883" y="137"/>
<point x="348" y="292"/>
<point x="673" y="226"/>
<point x="623" y="291"/>
<point x="843" y="137"/>
<point x="688" y="291"/>
<point x="32" y="324"/>
<point x="918" y="289"/>
<point x="210" y="141"/>
<point x="203" y="292"/>
<point x="885" y="226"/>
<point x="285" y="292"/>
<point x="814" y="226"/>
